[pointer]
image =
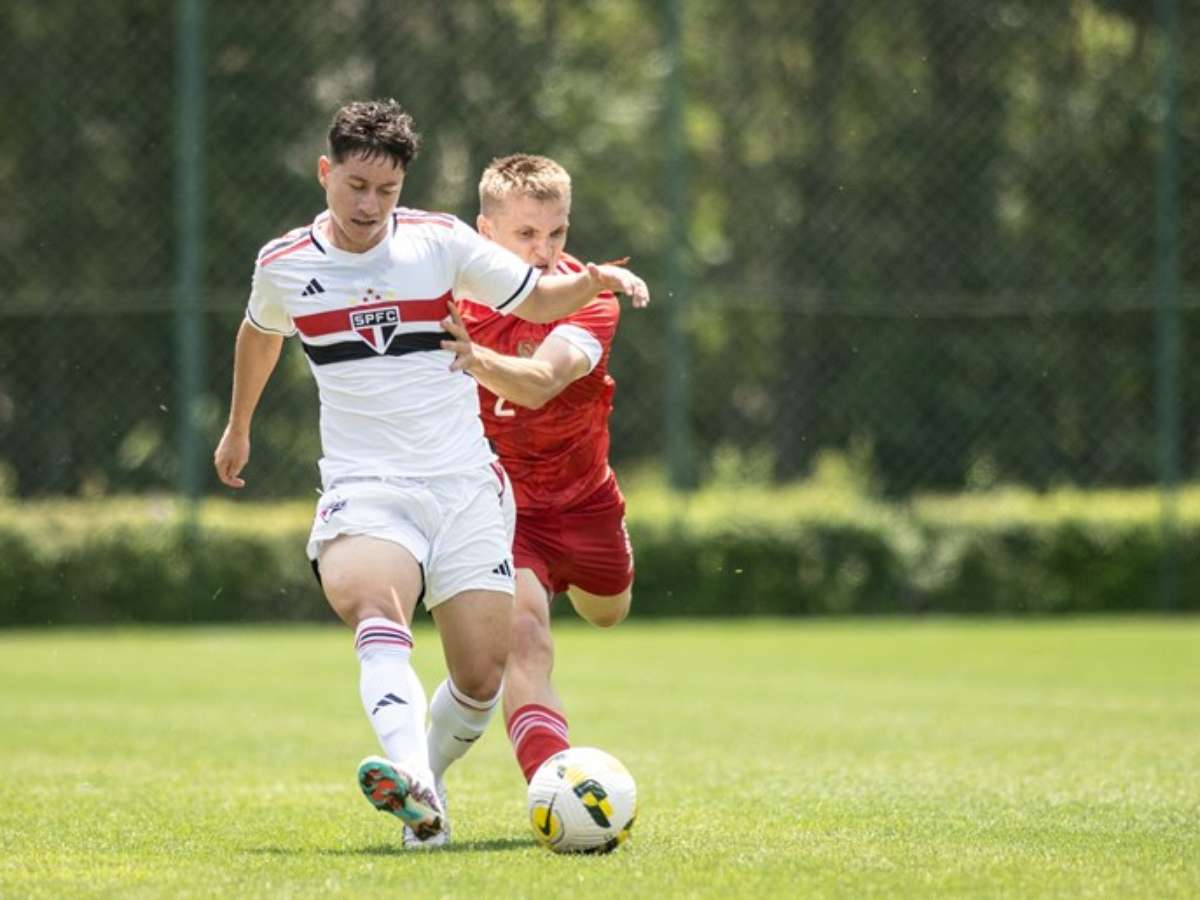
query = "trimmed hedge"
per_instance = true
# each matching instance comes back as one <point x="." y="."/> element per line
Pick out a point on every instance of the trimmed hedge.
<point x="800" y="551"/>
<point x="156" y="574"/>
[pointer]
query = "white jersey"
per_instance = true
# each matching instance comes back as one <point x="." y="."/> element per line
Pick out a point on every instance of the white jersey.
<point x="370" y="324"/>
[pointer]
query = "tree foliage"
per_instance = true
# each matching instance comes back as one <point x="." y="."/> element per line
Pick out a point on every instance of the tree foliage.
<point x="923" y="229"/>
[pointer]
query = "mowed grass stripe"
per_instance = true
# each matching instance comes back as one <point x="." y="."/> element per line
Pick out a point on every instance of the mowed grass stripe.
<point x="774" y="758"/>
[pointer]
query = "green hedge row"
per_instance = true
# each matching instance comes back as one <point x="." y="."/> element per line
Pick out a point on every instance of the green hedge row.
<point x="835" y="570"/>
<point x="127" y="561"/>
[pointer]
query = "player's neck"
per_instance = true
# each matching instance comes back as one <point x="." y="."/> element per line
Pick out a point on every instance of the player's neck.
<point x="342" y="241"/>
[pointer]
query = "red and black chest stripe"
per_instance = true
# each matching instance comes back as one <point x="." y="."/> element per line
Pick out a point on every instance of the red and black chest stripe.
<point x="372" y="329"/>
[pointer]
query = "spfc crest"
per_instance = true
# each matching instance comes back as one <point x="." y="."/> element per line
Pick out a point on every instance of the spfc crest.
<point x="328" y="512"/>
<point x="376" y="326"/>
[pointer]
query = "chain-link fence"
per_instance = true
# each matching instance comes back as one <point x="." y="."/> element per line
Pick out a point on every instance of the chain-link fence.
<point x="933" y="236"/>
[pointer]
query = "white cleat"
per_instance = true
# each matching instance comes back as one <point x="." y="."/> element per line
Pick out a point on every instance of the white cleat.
<point x="441" y="838"/>
<point x="391" y="788"/>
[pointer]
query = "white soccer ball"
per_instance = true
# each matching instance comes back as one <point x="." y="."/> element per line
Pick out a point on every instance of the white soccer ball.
<point x="582" y="800"/>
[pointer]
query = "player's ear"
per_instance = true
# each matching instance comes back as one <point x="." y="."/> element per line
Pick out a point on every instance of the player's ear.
<point x="323" y="166"/>
<point x="484" y="226"/>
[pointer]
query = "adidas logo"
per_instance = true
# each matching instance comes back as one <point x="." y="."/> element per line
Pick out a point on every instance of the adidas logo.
<point x="389" y="700"/>
<point x="314" y="287"/>
<point x="503" y="569"/>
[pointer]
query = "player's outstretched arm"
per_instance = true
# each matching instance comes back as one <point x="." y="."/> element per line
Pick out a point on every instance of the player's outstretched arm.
<point x="254" y="360"/>
<point x="532" y="382"/>
<point x="557" y="296"/>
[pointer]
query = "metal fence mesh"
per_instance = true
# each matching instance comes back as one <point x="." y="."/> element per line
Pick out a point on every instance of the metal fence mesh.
<point x="921" y="235"/>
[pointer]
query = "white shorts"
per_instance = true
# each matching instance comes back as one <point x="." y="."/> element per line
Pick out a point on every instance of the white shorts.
<point x="458" y="527"/>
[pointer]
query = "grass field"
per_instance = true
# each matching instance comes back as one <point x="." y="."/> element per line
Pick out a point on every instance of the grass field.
<point x="883" y="758"/>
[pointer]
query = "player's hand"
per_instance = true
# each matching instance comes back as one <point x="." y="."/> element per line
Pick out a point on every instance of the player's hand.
<point x="613" y="276"/>
<point x="231" y="456"/>
<point x="461" y="345"/>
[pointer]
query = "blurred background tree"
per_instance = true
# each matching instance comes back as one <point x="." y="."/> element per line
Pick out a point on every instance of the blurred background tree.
<point x="921" y="235"/>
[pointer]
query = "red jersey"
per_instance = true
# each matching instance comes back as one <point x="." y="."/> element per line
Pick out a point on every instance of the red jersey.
<point x="558" y="454"/>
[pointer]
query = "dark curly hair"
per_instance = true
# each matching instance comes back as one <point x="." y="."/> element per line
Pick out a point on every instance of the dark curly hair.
<point x="374" y="129"/>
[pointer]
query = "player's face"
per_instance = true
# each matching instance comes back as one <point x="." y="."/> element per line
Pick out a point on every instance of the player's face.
<point x="361" y="193"/>
<point x="535" y="230"/>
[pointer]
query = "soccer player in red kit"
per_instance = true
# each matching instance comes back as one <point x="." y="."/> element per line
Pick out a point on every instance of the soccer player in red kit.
<point x="545" y="395"/>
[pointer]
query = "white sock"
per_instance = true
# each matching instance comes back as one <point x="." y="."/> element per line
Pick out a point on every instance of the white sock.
<point x="392" y="696"/>
<point x="455" y="723"/>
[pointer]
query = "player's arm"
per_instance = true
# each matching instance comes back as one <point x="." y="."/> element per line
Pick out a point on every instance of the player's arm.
<point x="488" y="273"/>
<point x="254" y="360"/>
<point x="531" y="382"/>
<point x="557" y="296"/>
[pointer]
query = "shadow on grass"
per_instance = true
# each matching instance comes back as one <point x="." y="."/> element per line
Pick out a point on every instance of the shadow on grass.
<point x="396" y="849"/>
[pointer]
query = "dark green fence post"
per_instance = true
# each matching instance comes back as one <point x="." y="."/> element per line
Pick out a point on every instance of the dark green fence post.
<point x="189" y="250"/>
<point x="680" y="461"/>
<point x="1167" y="301"/>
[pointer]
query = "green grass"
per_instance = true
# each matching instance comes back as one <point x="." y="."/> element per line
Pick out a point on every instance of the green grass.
<point x="855" y="759"/>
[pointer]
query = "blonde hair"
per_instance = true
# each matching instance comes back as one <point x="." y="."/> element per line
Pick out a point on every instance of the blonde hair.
<point x="522" y="174"/>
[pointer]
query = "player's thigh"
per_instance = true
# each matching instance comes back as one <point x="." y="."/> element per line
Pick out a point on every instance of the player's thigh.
<point x="474" y="626"/>
<point x="369" y="541"/>
<point x="602" y="610"/>
<point x="536" y="549"/>
<point x="366" y="576"/>
<point x="472" y="550"/>
<point x="600" y="567"/>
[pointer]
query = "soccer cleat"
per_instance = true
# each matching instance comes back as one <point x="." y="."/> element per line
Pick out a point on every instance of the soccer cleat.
<point x="392" y="789"/>
<point x="442" y="838"/>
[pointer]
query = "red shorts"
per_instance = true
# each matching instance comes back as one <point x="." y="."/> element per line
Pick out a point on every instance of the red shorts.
<point x="586" y="546"/>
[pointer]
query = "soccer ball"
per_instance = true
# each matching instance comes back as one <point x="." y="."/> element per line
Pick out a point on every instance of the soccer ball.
<point x="582" y="800"/>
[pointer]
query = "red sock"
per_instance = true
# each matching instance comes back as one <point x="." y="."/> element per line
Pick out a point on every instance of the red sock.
<point x="537" y="733"/>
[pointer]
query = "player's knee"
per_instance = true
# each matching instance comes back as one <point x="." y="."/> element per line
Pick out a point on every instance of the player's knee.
<point x="480" y="682"/>
<point x="531" y="642"/>
<point x="351" y="601"/>
<point x="603" y="612"/>
<point x="607" y="618"/>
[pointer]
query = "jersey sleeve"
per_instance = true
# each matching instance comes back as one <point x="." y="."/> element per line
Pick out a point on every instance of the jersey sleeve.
<point x="487" y="273"/>
<point x="591" y="329"/>
<point x="266" y="310"/>
<point x="581" y="339"/>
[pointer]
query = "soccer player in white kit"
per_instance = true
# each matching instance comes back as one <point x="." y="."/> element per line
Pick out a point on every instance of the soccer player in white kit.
<point x="415" y="506"/>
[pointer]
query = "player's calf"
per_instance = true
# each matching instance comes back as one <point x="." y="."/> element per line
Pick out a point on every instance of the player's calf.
<point x="456" y="722"/>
